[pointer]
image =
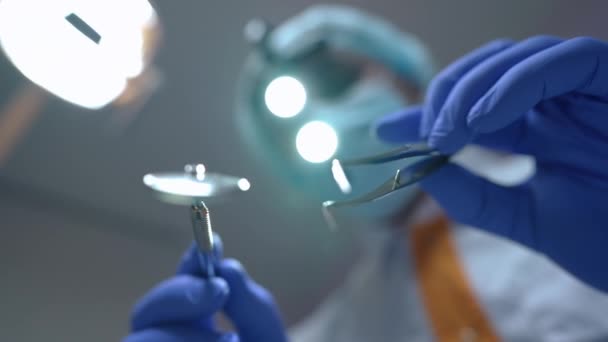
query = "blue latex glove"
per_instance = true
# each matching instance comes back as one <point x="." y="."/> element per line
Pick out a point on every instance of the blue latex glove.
<point x="181" y="308"/>
<point x="543" y="97"/>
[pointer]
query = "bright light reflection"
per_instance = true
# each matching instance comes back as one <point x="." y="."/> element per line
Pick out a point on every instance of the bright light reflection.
<point x="285" y="97"/>
<point x="179" y="186"/>
<point x="52" y="53"/>
<point x="340" y="177"/>
<point x="317" y="142"/>
<point x="244" y="184"/>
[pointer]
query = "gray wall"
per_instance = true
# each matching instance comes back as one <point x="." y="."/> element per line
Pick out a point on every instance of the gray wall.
<point x="82" y="238"/>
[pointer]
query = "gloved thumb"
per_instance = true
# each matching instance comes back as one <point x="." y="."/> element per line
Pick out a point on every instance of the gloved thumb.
<point x="180" y="299"/>
<point x="472" y="200"/>
<point x="400" y="127"/>
<point x="250" y="307"/>
<point x="191" y="262"/>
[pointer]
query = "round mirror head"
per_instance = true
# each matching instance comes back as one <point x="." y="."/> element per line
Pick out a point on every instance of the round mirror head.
<point x="194" y="183"/>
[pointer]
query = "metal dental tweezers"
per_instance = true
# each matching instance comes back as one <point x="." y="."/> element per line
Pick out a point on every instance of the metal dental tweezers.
<point x="402" y="178"/>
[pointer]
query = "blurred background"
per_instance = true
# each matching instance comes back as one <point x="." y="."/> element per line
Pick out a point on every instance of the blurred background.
<point x="82" y="238"/>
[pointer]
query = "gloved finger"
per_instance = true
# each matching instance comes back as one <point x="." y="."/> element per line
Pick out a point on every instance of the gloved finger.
<point x="400" y="127"/>
<point x="250" y="307"/>
<point x="442" y="84"/>
<point x="180" y="334"/>
<point x="579" y="64"/>
<point x="191" y="260"/>
<point x="512" y="138"/>
<point x="180" y="299"/>
<point x="450" y="131"/>
<point x="475" y="201"/>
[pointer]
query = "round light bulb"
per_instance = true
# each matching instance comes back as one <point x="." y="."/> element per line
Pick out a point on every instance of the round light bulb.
<point x="244" y="184"/>
<point x="317" y="142"/>
<point x="285" y="97"/>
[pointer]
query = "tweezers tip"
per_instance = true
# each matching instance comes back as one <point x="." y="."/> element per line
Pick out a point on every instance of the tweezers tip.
<point x="340" y="177"/>
<point x="327" y="204"/>
<point x="329" y="217"/>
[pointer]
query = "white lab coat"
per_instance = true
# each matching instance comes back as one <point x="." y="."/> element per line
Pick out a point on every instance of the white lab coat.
<point x="526" y="296"/>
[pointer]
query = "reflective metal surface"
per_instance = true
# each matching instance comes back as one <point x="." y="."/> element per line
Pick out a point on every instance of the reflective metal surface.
<point x="183" y="188"/>
<point x="192" y="187"/>
<point x="407" y="151"/>
<point x="203" y="235"/>
<point x="402" y="178"/>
